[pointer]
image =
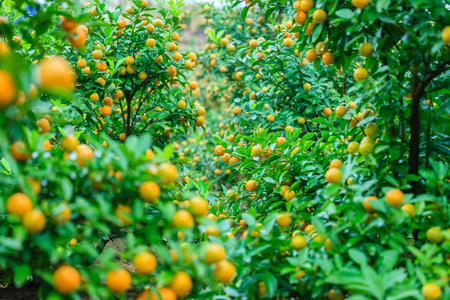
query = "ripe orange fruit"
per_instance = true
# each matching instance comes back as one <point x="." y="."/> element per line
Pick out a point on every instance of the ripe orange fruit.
<point x="410" y="209"/>
<point x="163" y="294"/>
<point x="214" y="253"/>
<point x="360" y="3"/>
<point x="333" y="175"/>
<point x="251" y="185"/>
<point x="225" y="271"/>
<point x="289" y="195"/>
<point x="168" y="173"/>
<point x="84" y="154"/>
<point x="336" y="163"/>
<point x="18" y="204"/>
<point x="445" y="34"/>
<point x="20" y="151"/>
<point x="306" y="5"/>
<point x="298" y="242"/>
<point x="118" y="281"/>
<point x="181" y="104"/>
<point x="283" y="220"/>
<point x="69" y="143"/>
<point x="149" y="191"/>
<point x="78" y="38"/>
<point x="144" y="263"/>
<point x="66" y="279"/>
<point x="367" y="206"/>
<point x="307" y="86"/>
<point x="311" y="55"/>
<point x="394" y="197"/>
<point x="123" y="213"/>
<point x="56" y="74"/>
<point x="183" y="219"/>
<point x="288" y="42"/>
<point x="322" y="47"/>
<point x="8" y="88"/>
<point x="256" y="151"/>
<point x="319" y="16"/>
<point x="106" y="110"/>
<point x="34" y="221"/>
<point x="328" y="58"/>
<point x="341" y="111"/>
<point x="121" y="24"/>
<point x="198" y="206"/>
<point x="327" y="111"/>
<point x="300" y="17"/>
<point x="270" y="118"/>
<point x="218" y="150"/>
<point x="181" y="284"/>
<point x="360" y="74"/>
<point x="431" y="291"/>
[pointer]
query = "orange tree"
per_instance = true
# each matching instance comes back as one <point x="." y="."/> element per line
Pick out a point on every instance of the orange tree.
<point x="65" y="196"/>
<point x="323" y="133"/>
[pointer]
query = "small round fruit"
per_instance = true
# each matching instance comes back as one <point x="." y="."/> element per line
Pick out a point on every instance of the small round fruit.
<point x="19" y="204"/>
<point x="333" y="176"/>
<point x="431" y="291"/>
<point x="394" y="198"/>
<point x="66" y="280"/>
<point x="118" y="281"/>
<point x="360" y="74"/>
<point x="298" y="242"/>
<point x="34" y="221"/>
<point x="434" y="235"/>
<point x="225" y="271"/>
<point x="214" y="253"/>
<point x="367" y="207"/>
<point x="144" y="263"/>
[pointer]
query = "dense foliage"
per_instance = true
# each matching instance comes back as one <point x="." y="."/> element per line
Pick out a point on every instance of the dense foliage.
<point x="321" y="170"/>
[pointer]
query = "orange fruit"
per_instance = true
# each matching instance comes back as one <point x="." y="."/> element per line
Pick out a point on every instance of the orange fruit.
<point x="340" y="111"/>
<point x="123" y="213"/>
<point x="34" y="221"/>
<point x="183" y="219"/>
<point x="20" y="151"/>
<point x="409" y="209"/>
<point x="360" y="3"/>
<point x="56" y="74"/>
<point x="121" y="24"/>
<point x="322" y="47"/>
<point x="327" y="111"/>
<point x="283" y="220"/>
<point x="445" y="34"/>
<point x="306" y="5"/>
<point x="431" y="291"/>
<point x="18" y="204"/>
<point x="168" y="173"/>
<point x="319" y="16"/>
<point x="311" y="55"/>
<point x="270" y="118"/>
<point x="198" y="206"/>
<point x="118" y="281"/>
<point x="69" y="143"/>
<point x="214" y="253"/>
<point x="360" y="74"/>
<point x="298" y="242"/>
<point x="144" y="263"/>
<point x="163" y="294"/>
<point x="181" y="284"/>
<point x="66" y="279"/>
<point x="394" y="197"/>
<point x="84" y="154"/>
<point x="225" y="271"/>
<point x="367" y="207"/>
<point x="236" y="111"/>
<point x="336" y="163"/>
<point x="333" y="175"/>
<point x="78" y="38"/>
<point x="352" y="147"/>
<point x="149" y="191"/>
<point x="366" y="49"/>
<point x="328" y="58"/>
<point x="8" y="88"/>
<point x="434" y="235"/>
<point x="307" y="86"/>
<point x="251" y="185"/>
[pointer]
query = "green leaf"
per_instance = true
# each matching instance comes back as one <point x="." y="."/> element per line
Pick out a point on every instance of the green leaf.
<point x="271" y="283"/>
<point x="21" y="275"/>
<point x="244" y="13"/>
<point x="357" y="256"/>
<point x="345" y="13"/>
